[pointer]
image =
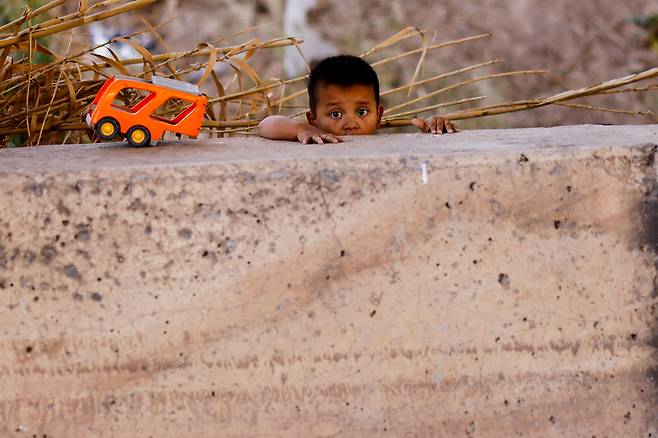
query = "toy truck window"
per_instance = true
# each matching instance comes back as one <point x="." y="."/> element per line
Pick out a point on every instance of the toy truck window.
<point x="130" y="98"/>
<point x="172" y="110"/>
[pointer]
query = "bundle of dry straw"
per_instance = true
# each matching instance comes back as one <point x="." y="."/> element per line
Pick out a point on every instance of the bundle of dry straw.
<point x="42" y="102"/>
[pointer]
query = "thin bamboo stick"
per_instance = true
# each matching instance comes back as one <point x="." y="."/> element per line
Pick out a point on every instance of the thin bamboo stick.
<point x="462" y="84"/>
<point x="135" y="4"/>
<point x="173" y="56"/>
<point x="258" y="90"/>
<point x="595" y="89"/>
<point x="432" y="107"/>
<point x="441" y="76"/>
<point x="561" y="97"/>
<point x="407" y="32"/>
<point x="35" y="13"/>
<point x="608" y="110"/>
<point x="432" y="47"/>
<point x="631" y="90"/>
<point x="78" y="13"/>
<point x="378" y="63"/>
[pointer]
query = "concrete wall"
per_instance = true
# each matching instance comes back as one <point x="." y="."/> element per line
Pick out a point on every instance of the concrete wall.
<point x="489" y="283"/>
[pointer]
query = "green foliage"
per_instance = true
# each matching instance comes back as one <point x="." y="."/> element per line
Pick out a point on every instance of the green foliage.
<point x="16" y="141"/>
<point x="650" y="24"/>
<point x="13" y="9"/>
<point x="10" y="10"/>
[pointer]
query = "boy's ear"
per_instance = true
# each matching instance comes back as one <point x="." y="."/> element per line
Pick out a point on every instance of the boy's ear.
<point x="310" y="118"/>
<point x="380" y="113"/>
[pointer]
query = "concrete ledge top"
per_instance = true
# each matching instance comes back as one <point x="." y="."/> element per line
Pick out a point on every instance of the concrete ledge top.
<point x="239" y="149"/>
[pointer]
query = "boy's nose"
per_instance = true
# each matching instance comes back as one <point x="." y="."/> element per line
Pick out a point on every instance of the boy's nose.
<point x="350" y="125"/>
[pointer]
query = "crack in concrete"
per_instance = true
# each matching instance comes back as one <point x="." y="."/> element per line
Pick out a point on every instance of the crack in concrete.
<point x="325" y="204"/>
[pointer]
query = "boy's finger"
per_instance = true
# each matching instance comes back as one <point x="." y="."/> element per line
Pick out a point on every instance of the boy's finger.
<point x="445" y="127"/>
<point x="318" y="139"/>
<point x="420" y="124"/>
<point x="330" y="138"/>
<point x="437" y="125"/>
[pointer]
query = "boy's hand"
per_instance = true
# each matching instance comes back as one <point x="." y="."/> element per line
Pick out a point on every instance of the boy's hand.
<point x="435" y="125"/>
<point x="280" y="127"/>
<point x="311" y="134"/>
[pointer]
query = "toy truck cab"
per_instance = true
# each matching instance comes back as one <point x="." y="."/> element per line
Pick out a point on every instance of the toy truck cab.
<point x="140" y="109"/>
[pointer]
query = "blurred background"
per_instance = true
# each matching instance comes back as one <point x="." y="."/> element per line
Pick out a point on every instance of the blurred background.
<point x="581" y="42"/>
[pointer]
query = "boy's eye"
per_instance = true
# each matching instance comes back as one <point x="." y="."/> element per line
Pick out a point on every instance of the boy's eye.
<point x="335" y="114"/>
<point x="362" y="112"/>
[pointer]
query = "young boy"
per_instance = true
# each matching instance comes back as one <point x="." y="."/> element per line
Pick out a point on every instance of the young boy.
<point x="343" y="94"/>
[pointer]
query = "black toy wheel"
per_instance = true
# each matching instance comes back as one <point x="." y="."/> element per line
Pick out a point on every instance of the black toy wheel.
<point x="138" y="136"/>
<point x="107" y="128"/>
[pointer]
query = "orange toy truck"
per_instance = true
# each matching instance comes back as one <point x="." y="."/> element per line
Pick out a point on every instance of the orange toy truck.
<point x="141" y="110"/>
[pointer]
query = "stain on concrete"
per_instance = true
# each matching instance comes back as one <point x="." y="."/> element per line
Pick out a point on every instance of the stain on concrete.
<point x="34" y="188"/>
<point x="229" y="245"/>
<point x="84" y="233"/>
<point x="504" y="281"/>
<point x="29" y="256"/>
<point x="63" y="209"/>
<point x="71" y="271"/>
<point x="95" y="296"/>
<point x="48" y="252"/>
<point x="648" y="212"/>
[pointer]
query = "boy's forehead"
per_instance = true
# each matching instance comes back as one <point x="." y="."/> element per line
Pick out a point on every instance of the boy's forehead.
<point x="329" y="93"/>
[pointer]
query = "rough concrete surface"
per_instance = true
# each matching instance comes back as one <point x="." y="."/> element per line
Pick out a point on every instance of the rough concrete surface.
<point x="489" y="283"/>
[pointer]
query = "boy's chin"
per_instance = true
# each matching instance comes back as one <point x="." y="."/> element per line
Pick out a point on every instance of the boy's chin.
<point x="345" y="133"/>
<point x="363" y="132"/>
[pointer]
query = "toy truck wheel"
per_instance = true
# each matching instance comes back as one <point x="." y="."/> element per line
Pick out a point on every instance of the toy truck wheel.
<point x="107" y="128"/>
<point x="138" y="136"/>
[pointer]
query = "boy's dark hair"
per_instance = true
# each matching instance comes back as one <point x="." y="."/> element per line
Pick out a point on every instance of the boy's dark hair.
<point x="342" y="70"/>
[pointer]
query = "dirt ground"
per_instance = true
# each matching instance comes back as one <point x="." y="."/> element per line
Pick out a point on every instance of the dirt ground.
<point x="580" y="42"/>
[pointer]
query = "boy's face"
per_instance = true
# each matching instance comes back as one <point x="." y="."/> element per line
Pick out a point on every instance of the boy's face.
<point x="351" y="110"/>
